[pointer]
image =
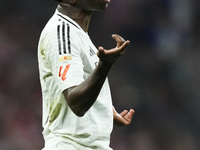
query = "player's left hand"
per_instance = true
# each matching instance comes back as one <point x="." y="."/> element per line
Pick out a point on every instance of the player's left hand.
<point x="109" y="57"/>
<point x="124" y="118"/>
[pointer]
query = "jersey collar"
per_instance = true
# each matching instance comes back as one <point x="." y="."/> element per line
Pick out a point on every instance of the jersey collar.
<point x="68" y="19"/>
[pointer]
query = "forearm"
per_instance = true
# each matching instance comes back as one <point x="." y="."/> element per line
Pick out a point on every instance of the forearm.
<point x="80" y="98"/>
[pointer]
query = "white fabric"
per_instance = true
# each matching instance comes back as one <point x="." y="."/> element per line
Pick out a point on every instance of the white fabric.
<point x="66" y="58"/>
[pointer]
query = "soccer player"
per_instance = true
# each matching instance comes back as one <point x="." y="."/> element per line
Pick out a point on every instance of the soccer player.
<point x="77" y="107"/>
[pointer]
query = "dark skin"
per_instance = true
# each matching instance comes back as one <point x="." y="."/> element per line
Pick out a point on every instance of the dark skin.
<point x="80" y="98"/>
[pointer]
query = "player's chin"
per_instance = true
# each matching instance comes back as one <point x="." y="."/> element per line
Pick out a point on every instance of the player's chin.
<point x="102" y="7"/>
<point x="105" y="7"/>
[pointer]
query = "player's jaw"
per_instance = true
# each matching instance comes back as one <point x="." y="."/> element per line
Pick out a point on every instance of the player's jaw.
<point x="93" y="5"/>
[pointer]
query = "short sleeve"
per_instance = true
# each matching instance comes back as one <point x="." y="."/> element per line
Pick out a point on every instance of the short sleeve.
<point x="64" y="56"/>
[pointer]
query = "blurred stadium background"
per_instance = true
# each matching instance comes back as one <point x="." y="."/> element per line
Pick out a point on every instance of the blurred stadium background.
<point x="159" y="75"/>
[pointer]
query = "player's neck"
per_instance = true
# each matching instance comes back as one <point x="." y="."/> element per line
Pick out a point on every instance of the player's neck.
<point x="78" y="15"/>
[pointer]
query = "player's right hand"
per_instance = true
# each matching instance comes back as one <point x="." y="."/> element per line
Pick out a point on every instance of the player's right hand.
<point x="109" y="57"/>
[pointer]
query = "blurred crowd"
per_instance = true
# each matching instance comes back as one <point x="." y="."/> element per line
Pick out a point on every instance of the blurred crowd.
<point x="158" y="76"/>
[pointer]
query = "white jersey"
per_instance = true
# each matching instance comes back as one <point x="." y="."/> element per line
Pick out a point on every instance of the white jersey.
<point x="66" y="58"/>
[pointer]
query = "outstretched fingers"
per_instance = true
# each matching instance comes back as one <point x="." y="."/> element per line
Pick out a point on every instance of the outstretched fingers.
<point x="127" y="115"/>
<point x="120" y="41"/>
<point x="115" y="51"/>
<point x="123" y="113"/>
<point x="130" y="114"/>
<point x="110" y="56"/>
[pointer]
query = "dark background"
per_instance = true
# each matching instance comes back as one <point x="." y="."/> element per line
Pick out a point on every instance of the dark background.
<point x="158" y="76"/>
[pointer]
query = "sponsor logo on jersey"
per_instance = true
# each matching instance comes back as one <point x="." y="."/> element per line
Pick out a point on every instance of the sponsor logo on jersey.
<point x="69" y="57"/>
<point x="92" y="52"/>
<point x="63" y="73"/>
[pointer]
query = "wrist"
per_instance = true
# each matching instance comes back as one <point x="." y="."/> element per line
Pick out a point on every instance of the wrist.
<point x="105" y="65"/>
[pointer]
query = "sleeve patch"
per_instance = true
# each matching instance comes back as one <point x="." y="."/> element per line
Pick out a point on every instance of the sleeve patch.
<point x="63" y="74"/>
<point x="65" y="58"/>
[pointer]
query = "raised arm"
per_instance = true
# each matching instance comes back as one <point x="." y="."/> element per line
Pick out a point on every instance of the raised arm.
<point x="80" y="98"/>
